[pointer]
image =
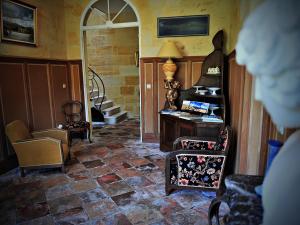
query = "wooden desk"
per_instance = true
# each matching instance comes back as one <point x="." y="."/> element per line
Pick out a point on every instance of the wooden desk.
<point x="172" y="127"/>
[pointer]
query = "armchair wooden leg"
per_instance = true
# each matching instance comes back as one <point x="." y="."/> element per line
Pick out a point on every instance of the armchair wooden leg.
<point x="89" y="135"/>
<point x="168" y="190"/>
<point x="63" y="169"/>
<point x="214" y="211"/>
<point x="22" y="171"/>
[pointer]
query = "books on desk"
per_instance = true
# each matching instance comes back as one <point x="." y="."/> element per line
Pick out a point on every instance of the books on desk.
<point x="212" y="118"/>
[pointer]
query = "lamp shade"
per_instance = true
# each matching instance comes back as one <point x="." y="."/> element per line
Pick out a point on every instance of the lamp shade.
<point x="169" y="50"/>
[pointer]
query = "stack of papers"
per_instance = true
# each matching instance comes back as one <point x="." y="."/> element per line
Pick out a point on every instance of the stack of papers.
<point x="209" y="118"/>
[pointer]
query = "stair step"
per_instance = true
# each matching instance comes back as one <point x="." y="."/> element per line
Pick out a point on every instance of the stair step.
<point x="98" y="124"/>
<point x="95" y="93"/>
<point x="112" y="110"/>
<point x="98" y="100"/>
<point x="116" y="118"/>
<point x="106" y="104"/>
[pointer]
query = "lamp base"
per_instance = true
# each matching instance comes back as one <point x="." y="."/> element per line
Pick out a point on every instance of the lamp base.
<point x="172" y="87"/>
<point x="169" y="68"/>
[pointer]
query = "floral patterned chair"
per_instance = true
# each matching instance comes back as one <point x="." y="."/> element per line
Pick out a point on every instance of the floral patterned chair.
<point x="74" y="123"/>
<point x="200" y="162"/>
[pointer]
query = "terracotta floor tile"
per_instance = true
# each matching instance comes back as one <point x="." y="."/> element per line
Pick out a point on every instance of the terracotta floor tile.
<point x="138" y="181"/>
<point x="117" y="188"/>
<point x="71" y="216"/>
<point x="79" y="175"/>
<point x="100" y="171"/>
<point x="62" y="204"/>
<point x="130" y="172"/>
<point x="32" y="211"/>
<point x="108" y="178"/>
<point x="101" y="208"/>
<point x="93" y="195"/>
<point x="115" y="180"/>
<point x="83" y="185"/>
<point x="58" y="191"/>
<point x="92" y="164"/>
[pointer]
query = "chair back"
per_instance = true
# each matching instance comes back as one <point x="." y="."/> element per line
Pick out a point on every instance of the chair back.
<point x="72" y="111"/>
<point x="224" y="140"/>
<point x="17" y="131"/>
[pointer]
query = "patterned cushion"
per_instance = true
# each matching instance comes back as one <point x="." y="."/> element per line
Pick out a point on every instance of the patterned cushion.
<point x="77" y="124"/>
<point x="222" y="141"/>
<point x="200" y="170"/>
<point x="174" y="173"/>
<point x="190" y="144"/>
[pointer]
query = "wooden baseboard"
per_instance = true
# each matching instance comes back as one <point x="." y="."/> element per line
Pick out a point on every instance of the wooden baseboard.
<point x="151" y="138"/>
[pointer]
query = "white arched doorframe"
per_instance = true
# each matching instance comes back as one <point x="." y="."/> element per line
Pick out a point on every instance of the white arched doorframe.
<point x="83" y="50"/>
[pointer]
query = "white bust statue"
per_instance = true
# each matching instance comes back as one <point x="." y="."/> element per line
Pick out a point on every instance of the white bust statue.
<point x="268" y="45"/>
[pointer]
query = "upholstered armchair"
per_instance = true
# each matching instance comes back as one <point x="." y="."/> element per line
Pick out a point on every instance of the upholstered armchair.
<point x="200" y="162"/>
<point x="45" y="148"/>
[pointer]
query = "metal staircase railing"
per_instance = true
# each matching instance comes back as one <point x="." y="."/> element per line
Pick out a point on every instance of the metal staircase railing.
<point x="95" y="79"/>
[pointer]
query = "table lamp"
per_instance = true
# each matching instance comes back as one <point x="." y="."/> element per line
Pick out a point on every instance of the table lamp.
<point x="169" y="50"/>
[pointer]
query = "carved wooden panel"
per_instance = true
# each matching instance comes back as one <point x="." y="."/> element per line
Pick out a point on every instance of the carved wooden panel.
<point x="60" y="90"/>
<point x="149" y="97"/>
<point x="13" y="93"/>
<point x="195" y="71"/>
<point x="29" y="90"/>
<point x="40" y="97"/>
<point x="75" y="79"/>
<point x="153" y="98"/>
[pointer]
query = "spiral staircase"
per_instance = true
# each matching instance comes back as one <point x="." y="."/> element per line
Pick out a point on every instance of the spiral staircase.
<point x="104" y="111"/>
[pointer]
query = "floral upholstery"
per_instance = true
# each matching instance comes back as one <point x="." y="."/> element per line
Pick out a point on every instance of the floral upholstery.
<point x="76" y="124"/>
<point x="199" y="170"/>
<point x="219" y="145"/>
<point x="200" y="163"/>
<point x="190" y="144"/>
<point x="222" y="141"/>
<point x="174" y="173"/>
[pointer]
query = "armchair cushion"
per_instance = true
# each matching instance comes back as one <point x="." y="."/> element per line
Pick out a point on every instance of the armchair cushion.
<point x="191" y="144"/>
<point x="38" y="152"/>
<point x="16" y="131"/>
<point x="48" y="147"/>
<point x="199" y="170"/>
<point x="54" y="133"/>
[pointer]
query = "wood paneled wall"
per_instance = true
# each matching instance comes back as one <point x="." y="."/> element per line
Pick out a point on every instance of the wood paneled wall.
<point x="153" y="92"/>
<point x="33" y="90"/>
<point x="251" y="123"/>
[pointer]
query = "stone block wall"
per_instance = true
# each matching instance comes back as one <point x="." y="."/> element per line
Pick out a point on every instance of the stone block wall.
<point x="110" y="52"/>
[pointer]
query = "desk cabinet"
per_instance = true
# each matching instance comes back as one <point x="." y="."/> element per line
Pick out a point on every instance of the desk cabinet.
<point x="172" y="127"/>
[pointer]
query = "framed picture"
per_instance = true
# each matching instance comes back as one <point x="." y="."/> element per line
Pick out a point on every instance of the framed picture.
<point x="18" y="22"/>
<point x="183" y="26"/>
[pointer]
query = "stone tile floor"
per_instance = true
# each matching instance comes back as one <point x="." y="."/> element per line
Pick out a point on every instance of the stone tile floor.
<point x="114" y="180"/>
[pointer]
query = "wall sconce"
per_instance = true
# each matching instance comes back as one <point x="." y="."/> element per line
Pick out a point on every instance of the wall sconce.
<point x="169" y="50"/>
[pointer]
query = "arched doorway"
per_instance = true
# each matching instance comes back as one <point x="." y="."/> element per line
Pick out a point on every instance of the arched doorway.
<point x="110" y="44"/>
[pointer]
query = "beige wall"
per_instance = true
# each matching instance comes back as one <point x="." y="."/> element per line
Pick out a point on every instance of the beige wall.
<point x="59" y="26"/>
<point x="220" y="12"/>
<point x="51" y="41"/>
<point x="110" y="52"/>
<point x="240" y="10"/>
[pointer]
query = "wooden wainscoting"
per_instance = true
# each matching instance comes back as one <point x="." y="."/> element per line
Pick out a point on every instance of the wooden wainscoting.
<point x="33" y="90"/>
<point x="269" y="131"/>
<point x="251" y="123"/>
<point x="153" y="91"/>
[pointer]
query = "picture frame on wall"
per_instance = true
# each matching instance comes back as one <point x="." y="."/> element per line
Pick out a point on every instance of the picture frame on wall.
<point x="197" y="25"/>
<point x="18" y="22"/>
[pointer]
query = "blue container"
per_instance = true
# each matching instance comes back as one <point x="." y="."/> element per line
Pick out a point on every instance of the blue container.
<point x="273" y="149"/>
